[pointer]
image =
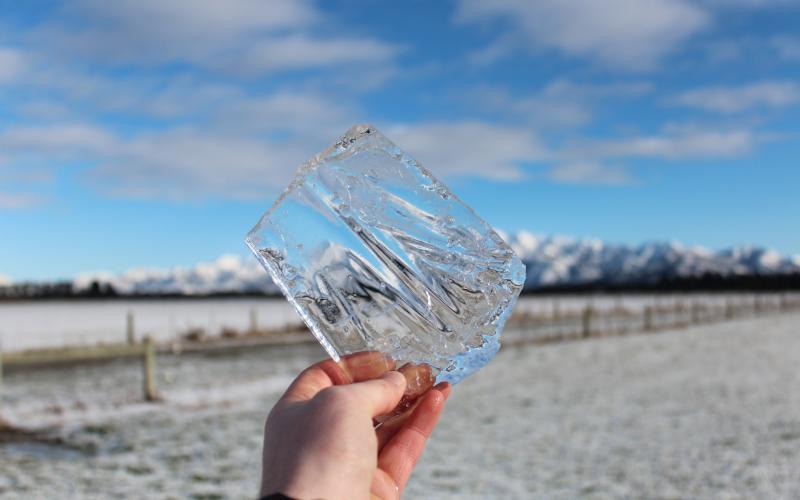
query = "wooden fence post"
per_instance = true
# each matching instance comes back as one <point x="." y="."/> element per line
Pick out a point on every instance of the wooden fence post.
<point x="130" y="329"/>
<point x="3" y="424"/>
<point x="253" y="321"/>
<point x="587" y="322"/>
<point x="728" y="309"/>
<point x="148" y="369"/>
<point x="695" y="312"/>
<point x="648" y="318"/>
<point x="677" y="311"/>
<point x="1" y="384"/>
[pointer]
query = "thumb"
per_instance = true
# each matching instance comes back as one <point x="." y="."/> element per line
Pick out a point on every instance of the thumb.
<point x="382" y="394"/>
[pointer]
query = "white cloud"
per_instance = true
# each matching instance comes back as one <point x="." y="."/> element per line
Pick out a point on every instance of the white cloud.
<point x="305" y="114"/>
<point x="19" y="185"/>
<point x="631" y="34"/>
<point x="152" y="30"/>
<point x="726" y="51"/>
<point x="187" y="18"/>
<point x="590" y="173"/>
<point x="749" y="3"/>
<point x="596" y="161"/>
<point x="177" y="164"/>
<point x="565" y="89"/>
<point x="300" y="51"/>
<point x="185" y="163"/>
<point x="238" y="36"/>
<point x="559" y="104"/>
<point x="744" y="49"/>
<point x="469" y="148"/>
<point x="5" y="280"/>
<point x="546" y="109"/>
<point x="71" y="140"/>
<point x="494" y="51"/>
<point x="190" y="164"/>
<point x="770" y="94"/>
<point x="25" y="174"/>
<point x="194" y="134"/>
<point x="63" y="89"/>
<point x="18" y="201"/>
<point x="788" y="47"/>
<point x="11" y="64"/>
<point x="686" y="143"/>
<point x="239" y="146"/>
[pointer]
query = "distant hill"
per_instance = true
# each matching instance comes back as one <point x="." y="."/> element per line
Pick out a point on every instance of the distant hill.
<point x="554" y="263"/>
<point x="560" y="262"/>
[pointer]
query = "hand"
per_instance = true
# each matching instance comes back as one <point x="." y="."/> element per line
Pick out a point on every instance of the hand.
<point x="321" y="439"/>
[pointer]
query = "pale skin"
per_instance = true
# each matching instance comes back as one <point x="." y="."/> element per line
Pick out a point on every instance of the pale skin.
<point x="322" y="439"/>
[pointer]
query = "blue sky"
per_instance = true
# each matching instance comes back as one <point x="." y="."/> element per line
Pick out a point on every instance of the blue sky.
<point x="149" y="133"/>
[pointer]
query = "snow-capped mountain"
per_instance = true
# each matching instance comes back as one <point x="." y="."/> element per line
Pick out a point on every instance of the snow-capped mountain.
<point x="229" y="273"/>
<point x="550" y="260"/>
<point x="557" y="260"/>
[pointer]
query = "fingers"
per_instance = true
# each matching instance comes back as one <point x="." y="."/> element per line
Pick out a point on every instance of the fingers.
<point x="420" y="379"/>
<point x="312" y="380"/>
<point x="382" y="394"/>
<point x="352" y="368"/>
<point x="390" y="426"/>
<point x="366" y="365"/>
<point x="383" y="487"/>
<point x="400" y="454"/>
<point x="444" y="388"/>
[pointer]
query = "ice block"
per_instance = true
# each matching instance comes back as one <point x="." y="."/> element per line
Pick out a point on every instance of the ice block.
<point x="376" y="254"/>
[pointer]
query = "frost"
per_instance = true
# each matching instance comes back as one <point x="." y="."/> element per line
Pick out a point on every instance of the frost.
<point x="377" y="254"/>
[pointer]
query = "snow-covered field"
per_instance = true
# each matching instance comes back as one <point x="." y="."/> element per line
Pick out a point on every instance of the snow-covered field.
<point x="705" y="412"/>
<point x="29" y="325"/>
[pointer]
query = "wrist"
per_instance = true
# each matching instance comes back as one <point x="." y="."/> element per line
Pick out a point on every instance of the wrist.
<point x="313" y="483"/>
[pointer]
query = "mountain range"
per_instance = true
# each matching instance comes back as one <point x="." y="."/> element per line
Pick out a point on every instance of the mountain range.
<point x="561" y="261"/>
<point x="551" y="261"/>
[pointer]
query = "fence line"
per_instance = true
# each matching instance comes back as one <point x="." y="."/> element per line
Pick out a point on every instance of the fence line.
<point x="527" y="326"/>
<point x="523" y="327"/>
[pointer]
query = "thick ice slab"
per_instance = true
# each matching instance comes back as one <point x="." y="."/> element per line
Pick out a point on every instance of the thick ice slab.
<point x="376" y="254"/>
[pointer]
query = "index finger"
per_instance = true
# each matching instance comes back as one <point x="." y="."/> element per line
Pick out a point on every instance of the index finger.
<point x="357" y="367"/>
<point x="400" y="454"/>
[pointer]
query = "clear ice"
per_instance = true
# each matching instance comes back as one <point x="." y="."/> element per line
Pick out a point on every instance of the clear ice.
<point x="378" y="255"/>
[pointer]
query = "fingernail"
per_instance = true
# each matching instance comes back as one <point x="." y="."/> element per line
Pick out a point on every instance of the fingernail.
<point x="444" y="389"/>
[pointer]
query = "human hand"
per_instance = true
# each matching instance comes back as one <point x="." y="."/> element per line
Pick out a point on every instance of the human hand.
<point x="321" y="440"/>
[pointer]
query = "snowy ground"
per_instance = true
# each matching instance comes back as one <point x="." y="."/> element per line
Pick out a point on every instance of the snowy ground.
<point x="707" y="412"/>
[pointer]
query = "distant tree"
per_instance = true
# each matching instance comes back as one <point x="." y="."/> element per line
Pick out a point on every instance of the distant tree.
<point x="109" y="290"/>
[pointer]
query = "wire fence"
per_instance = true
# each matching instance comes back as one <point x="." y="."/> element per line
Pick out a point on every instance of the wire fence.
<point x="588" y="322"/>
